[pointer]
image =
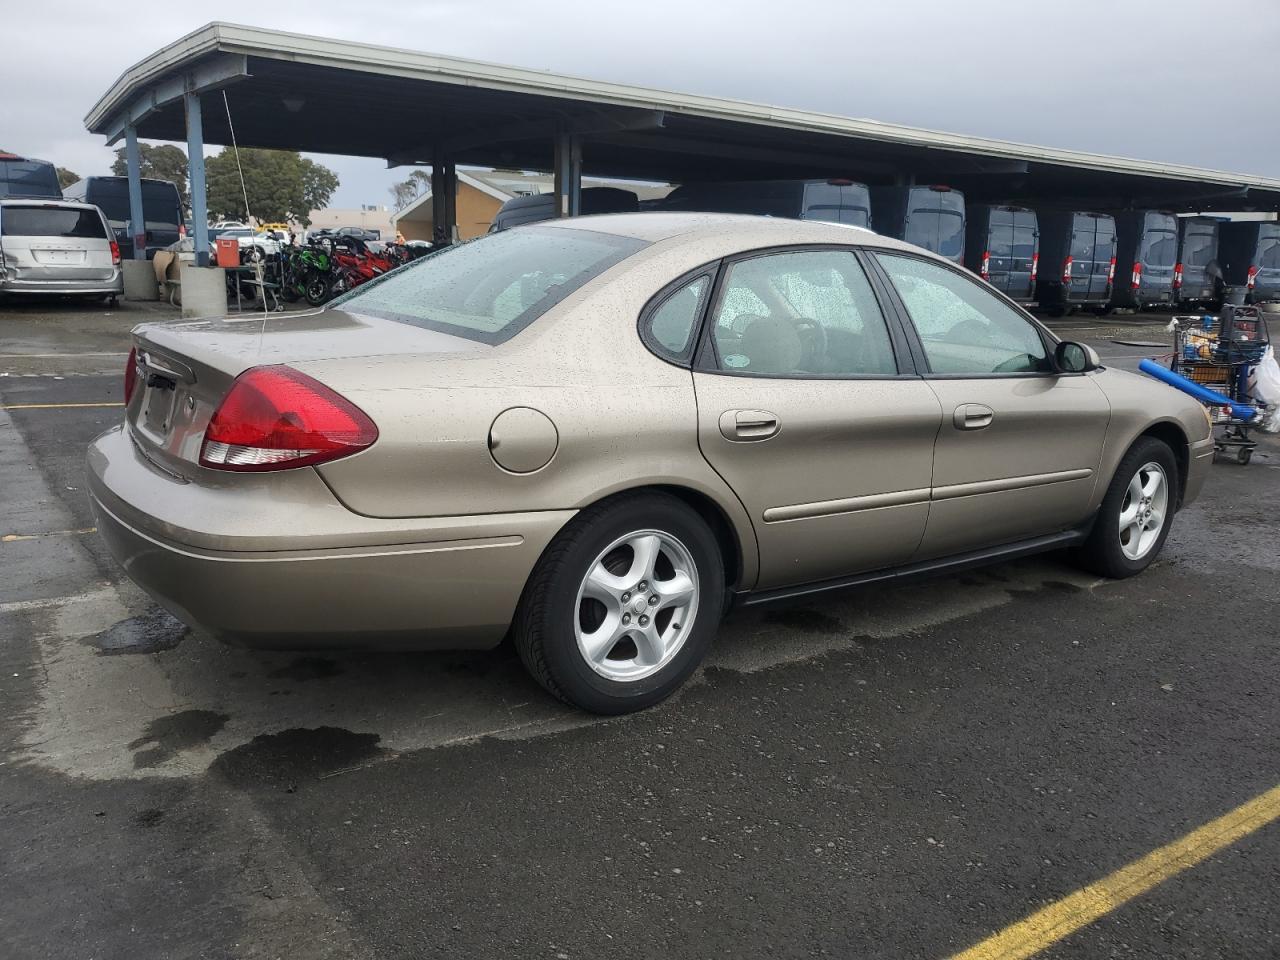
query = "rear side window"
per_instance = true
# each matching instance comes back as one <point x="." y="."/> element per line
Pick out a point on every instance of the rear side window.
<point x="803" y="313"/>
<point x="669" y="328"/>
<point x="963" y="328"/>
<point x="491" y="288"/>
<point x="1269" y="253"/>
<point x="65" y="222"/>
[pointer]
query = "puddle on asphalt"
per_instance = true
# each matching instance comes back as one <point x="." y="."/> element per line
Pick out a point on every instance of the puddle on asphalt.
<point x="167" y="736"/>
<point x="150" y="632"/>
<point x="286" y="758"/>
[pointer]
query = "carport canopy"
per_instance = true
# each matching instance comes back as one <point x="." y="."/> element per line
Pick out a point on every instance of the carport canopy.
<point x="294" y="92"/>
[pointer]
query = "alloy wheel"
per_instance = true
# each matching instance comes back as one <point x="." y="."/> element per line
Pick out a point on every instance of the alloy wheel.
<point x="1143" y="511"/>
<point x="636" y="605"/>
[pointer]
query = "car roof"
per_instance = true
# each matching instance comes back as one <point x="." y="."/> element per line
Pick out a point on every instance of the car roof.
<point x="46" y="202"/>
<point x="755" y="231"/>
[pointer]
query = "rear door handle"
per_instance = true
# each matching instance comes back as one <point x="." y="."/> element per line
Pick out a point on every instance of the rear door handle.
<point x="972" y="416"/>
<point x="742" y="425"/>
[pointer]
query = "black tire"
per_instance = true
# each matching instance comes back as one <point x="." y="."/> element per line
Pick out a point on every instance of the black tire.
<point x="1103" y="553"/>
<point x="544" y="627"/>
<point x="316" y="289"/>
<point x="1055" y="310"/>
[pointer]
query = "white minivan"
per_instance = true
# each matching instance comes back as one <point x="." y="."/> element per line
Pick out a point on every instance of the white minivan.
<point x="57" y="247"/>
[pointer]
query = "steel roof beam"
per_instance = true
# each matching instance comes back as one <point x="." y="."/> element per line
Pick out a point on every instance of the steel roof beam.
<point x="217" y="72"/>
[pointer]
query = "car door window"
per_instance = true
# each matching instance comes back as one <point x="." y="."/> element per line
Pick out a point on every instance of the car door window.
<point x="801" y="313"/>
<point x="964" y="329"/>
<point x="669" y="328"/>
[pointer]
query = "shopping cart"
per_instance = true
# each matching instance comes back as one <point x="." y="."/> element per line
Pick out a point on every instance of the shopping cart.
<point x="1219" y="353"/>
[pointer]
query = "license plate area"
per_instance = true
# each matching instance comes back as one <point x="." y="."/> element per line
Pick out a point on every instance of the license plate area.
<point x="58" y="256"/>
<point x="157" y="405"/>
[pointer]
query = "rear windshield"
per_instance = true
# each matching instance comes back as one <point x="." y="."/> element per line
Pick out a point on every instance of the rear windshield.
<point x="161" y="207"/>
<point x="491" y="288"/>
<point x="1159" y="248"/>
<point x="1199" y="246"/>
<point x="51" y="222"/>
<point x="941" y="231"/>
<point x="28" y="178"/>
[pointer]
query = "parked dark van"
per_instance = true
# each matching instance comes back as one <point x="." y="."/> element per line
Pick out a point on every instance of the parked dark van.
<point x="1146" y="254"/>
<point x="1077" y="260"/>
<point x="836" y="201"/>
<point x="1249" y="251"/>
<point x="542" y="206"/>
<point x="161" y="209"/>
<point x="930" y="217"/>
<point x="24" y="177"/>
<point x="1002" y="246"/>
<point x="1197" y="275"/>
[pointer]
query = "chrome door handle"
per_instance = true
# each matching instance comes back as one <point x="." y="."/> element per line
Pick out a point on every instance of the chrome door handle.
<point x="748" y="424"/>
<point x="972" y="416"/>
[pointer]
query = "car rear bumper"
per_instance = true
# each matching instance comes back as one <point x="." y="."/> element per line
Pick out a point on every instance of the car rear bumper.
<point x="315" y="574"/>
<point x="63" y="285"/>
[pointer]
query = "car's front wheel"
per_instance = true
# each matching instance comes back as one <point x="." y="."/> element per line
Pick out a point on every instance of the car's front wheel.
<point x="623" y="604"/>
<point x="1136" y="513"/>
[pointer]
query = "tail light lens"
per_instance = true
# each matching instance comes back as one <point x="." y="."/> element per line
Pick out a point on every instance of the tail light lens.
<point x="130" y="373"/>
<point x="275" y="418"/>
<point x="1066" y="270"/>
<point x="1111" y="271"/>
<point x="1252" y="278"/>
<point x="1035" y="266"/>
<point x="985" y="272"/>
<point x="1177" y="276"/>
<point x="182" y="231"/>
<point x="115" y="254"/>
<point x="1135" y="279"/>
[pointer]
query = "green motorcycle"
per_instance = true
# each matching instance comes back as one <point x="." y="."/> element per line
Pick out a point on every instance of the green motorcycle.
<point x="308" y="274"/>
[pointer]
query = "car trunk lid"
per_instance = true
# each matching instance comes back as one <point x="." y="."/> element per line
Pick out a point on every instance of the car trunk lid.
<point x="185" y="368"/>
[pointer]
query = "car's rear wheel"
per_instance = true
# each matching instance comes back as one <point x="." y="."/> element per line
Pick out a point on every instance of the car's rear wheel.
<point x="623" y="604"/>
<point x="1136" y="513"/>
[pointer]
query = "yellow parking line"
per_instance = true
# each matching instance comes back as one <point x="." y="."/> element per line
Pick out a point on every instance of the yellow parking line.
<point x="1046" y="927"/>
<point x="14" y="537"/>
<point x="55" y="406"/>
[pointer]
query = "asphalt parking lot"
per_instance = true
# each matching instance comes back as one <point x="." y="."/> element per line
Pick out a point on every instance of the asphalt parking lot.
<point x="890" y="773"/>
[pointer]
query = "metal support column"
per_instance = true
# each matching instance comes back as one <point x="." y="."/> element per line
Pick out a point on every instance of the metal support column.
<point x="568" y="175"/>
<point x="444" y="199"/>
<point x="137" y="225"/>
<point x="195" y="178"/>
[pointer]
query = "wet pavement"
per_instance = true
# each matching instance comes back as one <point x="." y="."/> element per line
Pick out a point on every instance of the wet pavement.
<point x="884" y="773"/>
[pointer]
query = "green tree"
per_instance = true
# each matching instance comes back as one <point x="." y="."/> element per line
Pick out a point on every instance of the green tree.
<point x="281" y="184"/>
<point x="165" y="162"/>
<point x="67" y="177"/>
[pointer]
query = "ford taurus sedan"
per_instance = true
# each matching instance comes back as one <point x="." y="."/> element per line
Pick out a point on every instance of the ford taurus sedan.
<point x="596" y="435"/>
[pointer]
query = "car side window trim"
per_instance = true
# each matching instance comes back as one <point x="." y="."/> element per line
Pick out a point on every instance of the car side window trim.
<point x="644" y="324"/>
<point x="1047" y="338"/>
<point x="706" y="359"/>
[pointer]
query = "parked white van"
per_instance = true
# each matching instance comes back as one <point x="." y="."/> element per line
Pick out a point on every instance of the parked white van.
<point x="57" y="247"/>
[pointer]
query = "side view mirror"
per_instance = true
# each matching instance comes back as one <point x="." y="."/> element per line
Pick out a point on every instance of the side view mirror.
<point x="1072" y="357"/>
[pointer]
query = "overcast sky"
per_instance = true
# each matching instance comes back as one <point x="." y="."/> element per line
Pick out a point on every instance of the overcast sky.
<point x="1186" y="81"/>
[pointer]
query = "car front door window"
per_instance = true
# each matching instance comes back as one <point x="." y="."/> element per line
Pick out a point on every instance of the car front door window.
<point x="963" y="328"/>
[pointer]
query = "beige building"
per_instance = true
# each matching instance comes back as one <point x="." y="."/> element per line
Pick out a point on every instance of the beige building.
<point x="482" y="192"/>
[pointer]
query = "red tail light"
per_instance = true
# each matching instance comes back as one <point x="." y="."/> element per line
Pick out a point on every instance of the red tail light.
<point x="1066" y="270"/>
<point x="115" y="254"/>
<point x="1252" y="278"/>
<point x="274" y="418"/>
<point x="1035" y="266"/>
<point x="1135" y="279"/>
<point x="1177" y="276"/>
<point x="1111" y="271"/>
<point x="182" y="231"/>
<point x="985" y="272"/>
<point x="130" y="373"/>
